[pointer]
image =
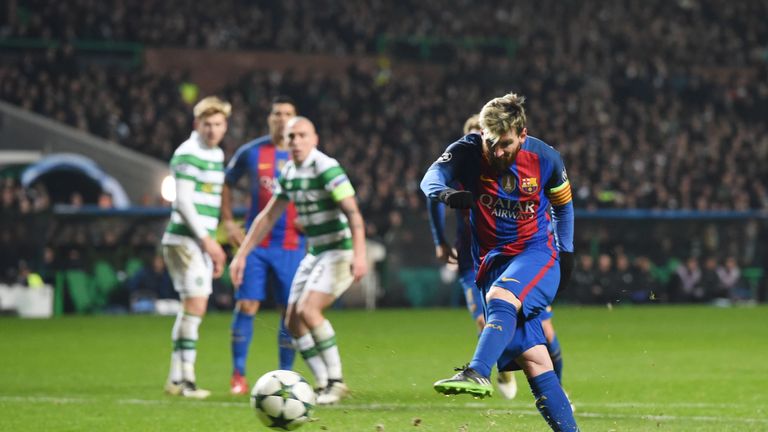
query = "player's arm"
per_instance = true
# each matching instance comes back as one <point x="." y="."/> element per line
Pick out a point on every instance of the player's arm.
<point x="443" y="251"/>
<point x="357" y="226"/>
<point x="235" y="170"/>
<point x="442" y="173"/>
<point x="336" y="182"/>
<point x="559" y="193"/>
<point x="185" y="175"/>
<point x="263" y="223"/>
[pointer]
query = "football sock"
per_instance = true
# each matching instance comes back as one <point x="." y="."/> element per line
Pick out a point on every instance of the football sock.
<point x="306" y="346"/>
<point x="187" y="343"/>
<point x="242" y="333"/>
<point x="285" y="347"/>
<point x="497" y="334"/>
<point x="557" y="357"/>
<point x="325" y="339"/>
<point x="552" y="402"/>
<point x="175" y="372"/>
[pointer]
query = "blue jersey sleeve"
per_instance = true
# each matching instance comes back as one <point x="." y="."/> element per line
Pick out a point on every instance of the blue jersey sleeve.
<point x="436" y="212"/>
<point x="558" y="190"/>
<point x="445" y="171"/>
<point x="238" y="165"/>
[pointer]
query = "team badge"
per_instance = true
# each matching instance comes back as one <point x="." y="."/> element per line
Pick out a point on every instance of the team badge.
<point x="508" y="183"/>
<point x="445" y="157"/>
<point x="529" y="185"/>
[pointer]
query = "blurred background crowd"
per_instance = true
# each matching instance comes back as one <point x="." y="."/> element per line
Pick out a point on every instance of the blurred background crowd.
<point x="657" y="105"/>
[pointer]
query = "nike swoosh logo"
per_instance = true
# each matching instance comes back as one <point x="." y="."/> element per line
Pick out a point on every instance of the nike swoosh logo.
<point x="506" y="279"/>
<point x="487" y="179"/>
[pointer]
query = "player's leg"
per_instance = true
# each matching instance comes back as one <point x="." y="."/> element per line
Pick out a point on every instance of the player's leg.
<point x="329" y="279"/>
<point x="311" y="312"/>
<point x="553" y="344"/>
<point x="190" y="320"/>
<point x="511" y="282"/>
<point x="551" y="400"/>
<point x="302" y="337"/>
<point x="497" y="333"/>
<point x="191" y="271"/>
<point x="473" y="297"/>
<point x="249" y="297"/>
<point x="284" y="270"/>
<point x="505" y="380"/>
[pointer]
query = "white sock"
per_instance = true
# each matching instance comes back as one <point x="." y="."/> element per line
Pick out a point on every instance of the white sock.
<point x="175" y="373"/>
<point x="325" y="339"/>
<point x="188" y="335"/>
<point x="306" y="346"/>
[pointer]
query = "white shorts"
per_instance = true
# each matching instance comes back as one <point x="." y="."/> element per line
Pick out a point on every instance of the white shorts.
<point x="190" y="268"/>
<point x="330" y="272"/>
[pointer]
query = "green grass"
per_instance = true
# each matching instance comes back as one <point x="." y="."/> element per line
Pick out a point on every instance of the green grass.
<point x="626" y="369"/>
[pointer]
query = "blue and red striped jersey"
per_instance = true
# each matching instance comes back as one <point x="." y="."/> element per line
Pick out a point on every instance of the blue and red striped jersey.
<point x="511" y="210"/>
<point x="262" y="161"/>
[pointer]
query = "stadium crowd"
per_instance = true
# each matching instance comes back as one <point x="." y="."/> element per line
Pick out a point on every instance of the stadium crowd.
<point x="653" y="104"/>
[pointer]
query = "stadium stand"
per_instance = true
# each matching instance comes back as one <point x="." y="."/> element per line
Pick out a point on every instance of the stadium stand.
<point x="647" y="113"/>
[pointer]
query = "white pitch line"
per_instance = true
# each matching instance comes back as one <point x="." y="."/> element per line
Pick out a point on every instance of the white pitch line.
<point x="490" y="410"/>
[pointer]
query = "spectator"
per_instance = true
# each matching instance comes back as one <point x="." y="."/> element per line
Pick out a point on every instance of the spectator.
<point x="689" y="287"/>
<point x="731" y="282"/>
<point x="604" y="290"/>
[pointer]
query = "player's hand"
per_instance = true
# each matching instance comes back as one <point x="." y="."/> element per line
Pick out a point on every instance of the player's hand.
<point x="457" y="199"/>
<point x="359" y="268"/>
<point x="236" y="270"/>
<point x="219" y="258"/>
<point x="235" y="234"/>
<point x="446" y="254"/>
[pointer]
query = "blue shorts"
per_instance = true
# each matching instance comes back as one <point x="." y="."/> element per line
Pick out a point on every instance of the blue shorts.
<point x="471" y="293"/>
<point x="260" y="262"/>
<point x="528" y="334"/>
<point x="532" y="276"/>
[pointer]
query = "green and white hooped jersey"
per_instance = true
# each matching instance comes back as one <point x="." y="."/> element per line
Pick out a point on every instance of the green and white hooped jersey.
<point x="315" y="188"/>
<point x="193" y="160"/>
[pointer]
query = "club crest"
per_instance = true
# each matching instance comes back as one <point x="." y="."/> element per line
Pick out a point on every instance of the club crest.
<point x="508" y="183"/>
<point x="529" y="185"/>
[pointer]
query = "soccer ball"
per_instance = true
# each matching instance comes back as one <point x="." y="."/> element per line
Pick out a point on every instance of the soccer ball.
<point x="283" y="400"/>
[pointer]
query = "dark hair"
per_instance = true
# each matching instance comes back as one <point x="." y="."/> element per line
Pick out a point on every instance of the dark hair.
<point x="283" y="99"/>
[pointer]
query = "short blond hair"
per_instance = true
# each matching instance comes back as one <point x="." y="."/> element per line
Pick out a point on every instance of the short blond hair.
<point x="503" y="114"/>
<point x="210" y="106"/>
<point x="472" y="123"/>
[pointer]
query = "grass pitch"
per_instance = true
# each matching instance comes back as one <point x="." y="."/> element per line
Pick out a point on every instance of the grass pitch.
<point x="626" y="369"/>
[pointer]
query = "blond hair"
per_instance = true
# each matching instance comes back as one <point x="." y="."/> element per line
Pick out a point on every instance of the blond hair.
<point x="503" y="114"/>
<point x="210" y="106"/>
<point x="472" y="123"/>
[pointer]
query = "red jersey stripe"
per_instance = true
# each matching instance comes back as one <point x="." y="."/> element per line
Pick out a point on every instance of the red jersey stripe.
<point x="291" y="238"/>
<point x="538" y="277"/>
<point x="265" y="169"/>
<point x="528" y="167"/>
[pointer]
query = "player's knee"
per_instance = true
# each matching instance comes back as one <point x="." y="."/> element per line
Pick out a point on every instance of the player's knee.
<point x="535" y="361"/>
<point x="310" y="315"/>
<point x="249" y="307"/>
<point x="503" y="294"/>
<point x="196" y="306"/>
